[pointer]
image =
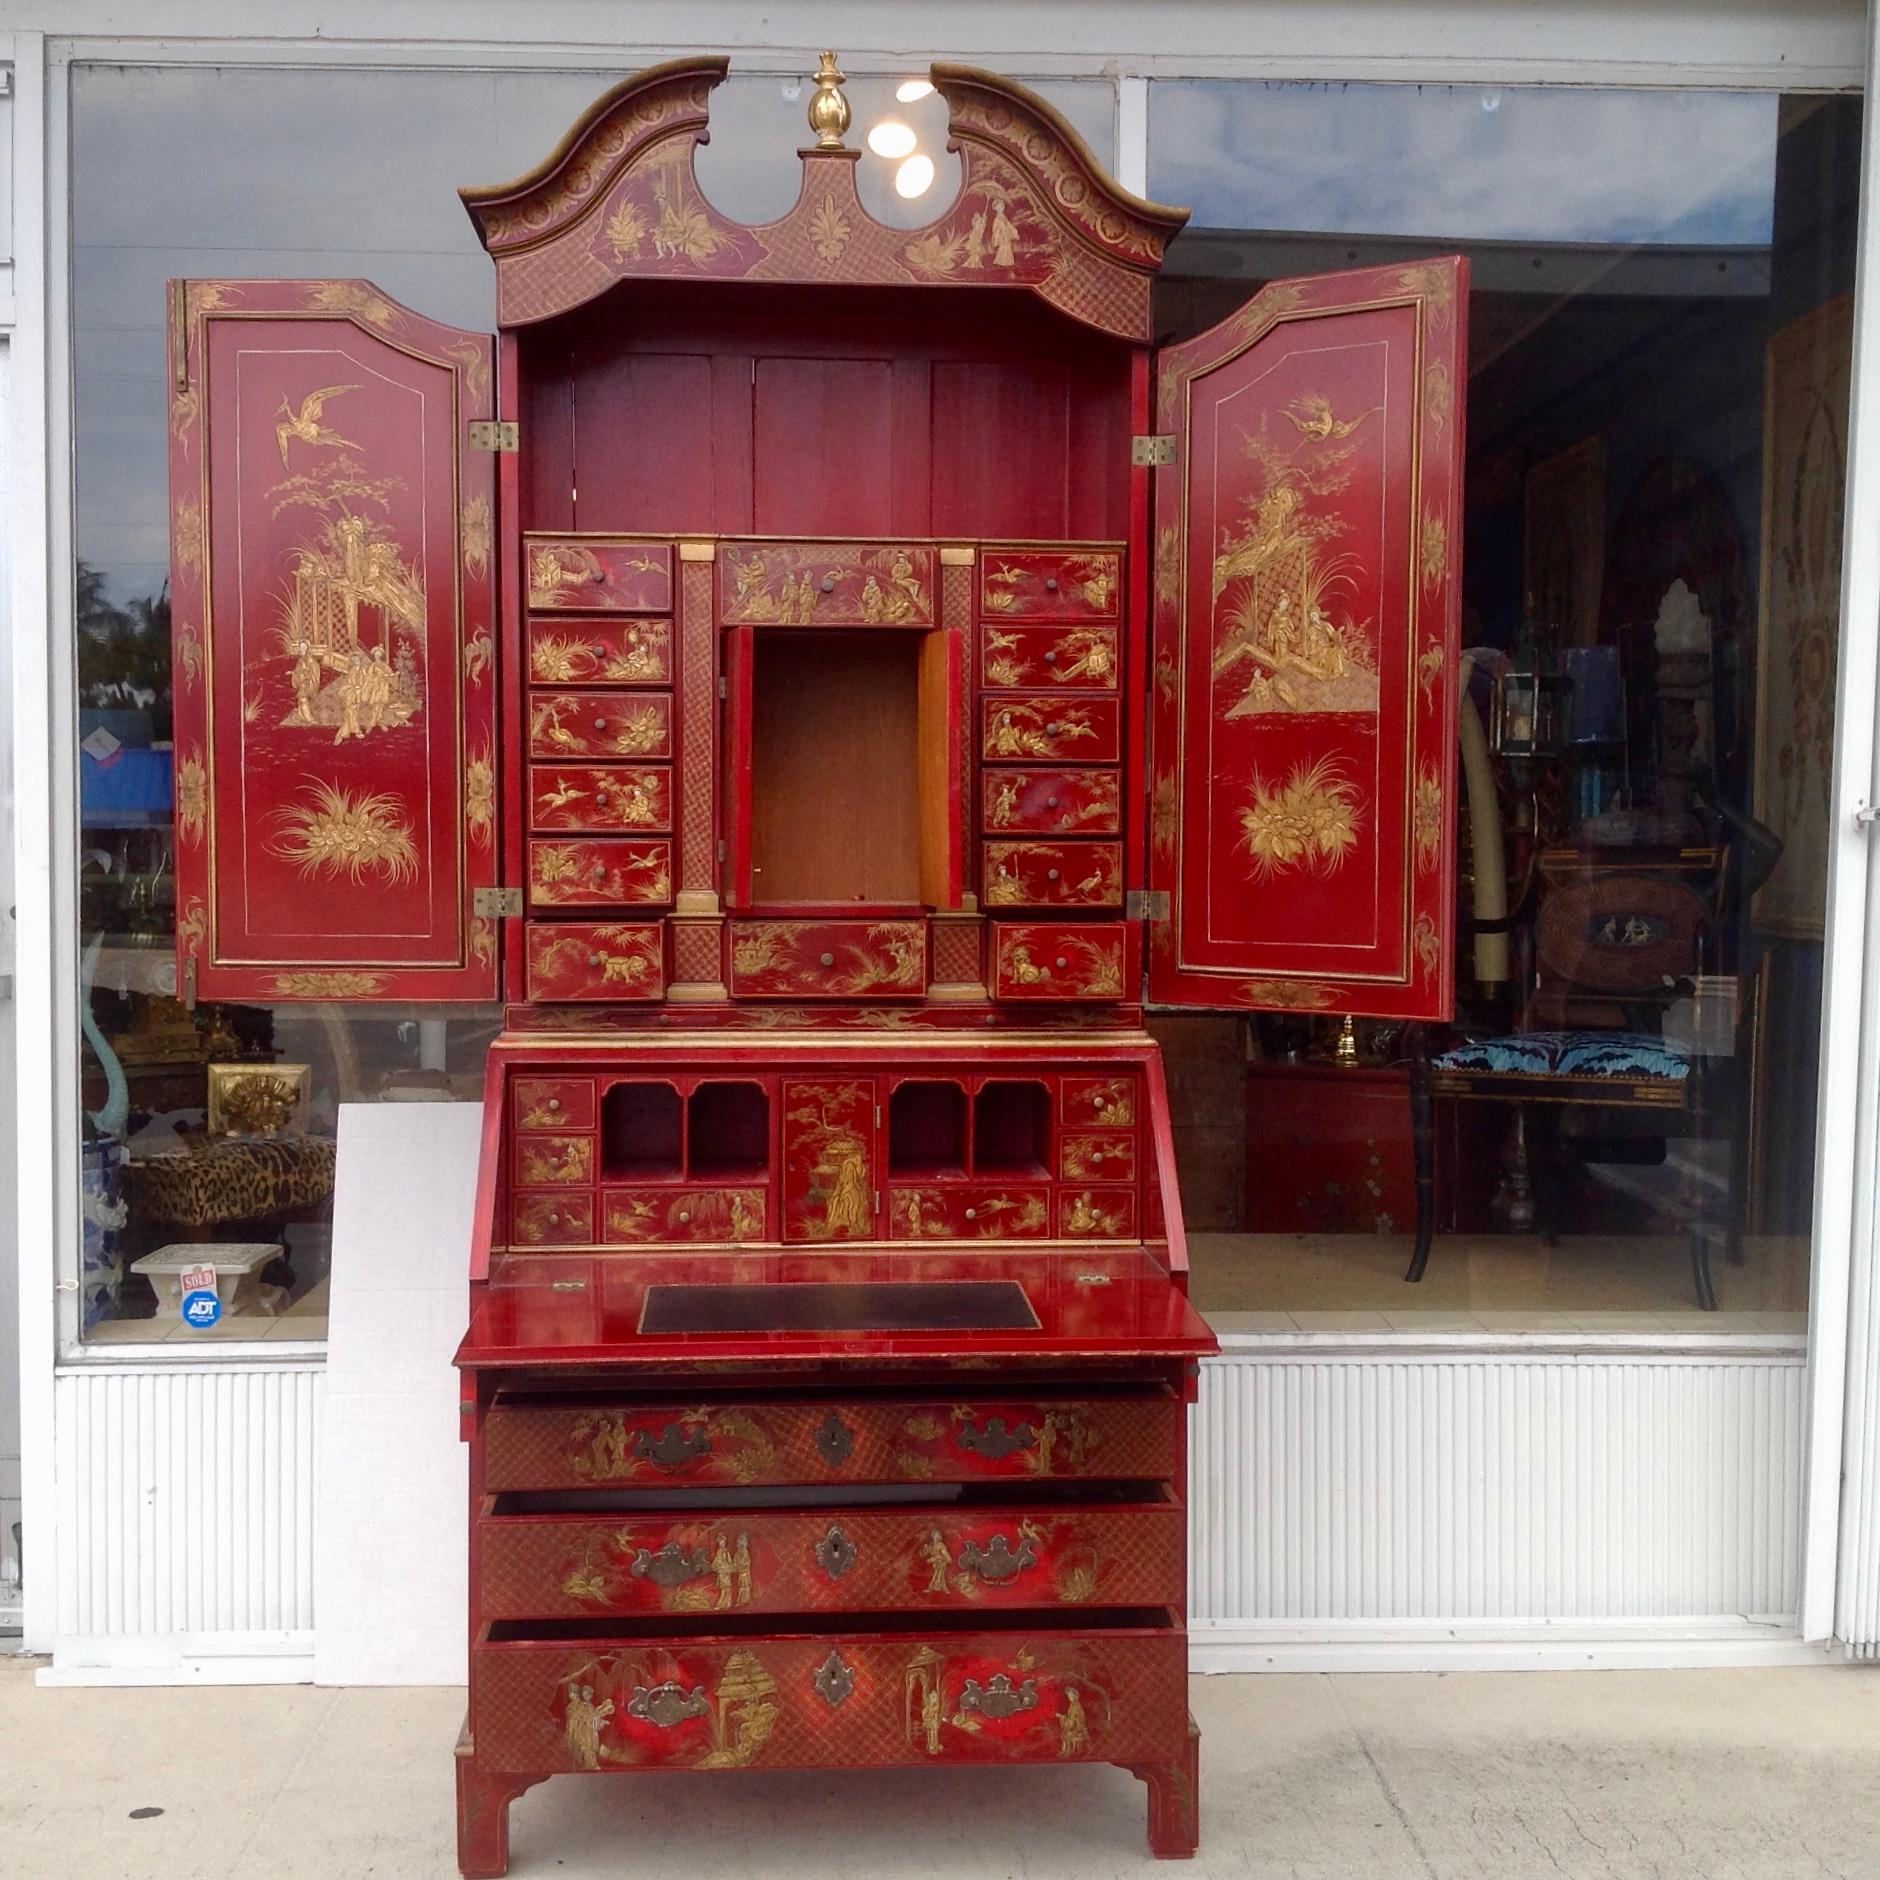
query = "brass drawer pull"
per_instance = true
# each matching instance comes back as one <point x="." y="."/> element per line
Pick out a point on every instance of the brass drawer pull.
<point x="997" y="1697"/>
<point x="668" y="1704"/>
<point x="994" y="1441"/>
<point x="673" y="1448"/>
<point x="671" y="1565"/>
<point x="997" y="1560"/>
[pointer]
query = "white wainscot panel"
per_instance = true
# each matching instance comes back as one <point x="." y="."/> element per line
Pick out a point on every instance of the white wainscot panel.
<point x="186" y="1520"/>
<point x="1367" y="1503"/>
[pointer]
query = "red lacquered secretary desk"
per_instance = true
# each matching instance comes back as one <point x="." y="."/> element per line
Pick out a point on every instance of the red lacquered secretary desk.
<point x="826" y="678"/>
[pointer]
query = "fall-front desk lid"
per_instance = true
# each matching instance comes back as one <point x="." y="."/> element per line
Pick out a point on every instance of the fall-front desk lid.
<point x="651" y="1310"/>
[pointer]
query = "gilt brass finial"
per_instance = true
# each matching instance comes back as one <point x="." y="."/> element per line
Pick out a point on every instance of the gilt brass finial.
<point x="1346" y="1050"/>
<point x="828" y="109"/>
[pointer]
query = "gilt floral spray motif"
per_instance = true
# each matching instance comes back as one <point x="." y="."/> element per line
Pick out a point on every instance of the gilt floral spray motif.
<point x="1305" y="623"/>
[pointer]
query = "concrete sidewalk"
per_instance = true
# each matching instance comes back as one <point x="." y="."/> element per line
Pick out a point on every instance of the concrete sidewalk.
<point x="1717" y="1775"/>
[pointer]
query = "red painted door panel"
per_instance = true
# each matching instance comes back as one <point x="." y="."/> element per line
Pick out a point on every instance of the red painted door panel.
<point x="332" y="551"/>
<point x="1307" y="591"/>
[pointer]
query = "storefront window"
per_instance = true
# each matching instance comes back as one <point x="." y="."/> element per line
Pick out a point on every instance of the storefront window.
<point x="216" y="1125"/>
<point x="1660" y="331"/>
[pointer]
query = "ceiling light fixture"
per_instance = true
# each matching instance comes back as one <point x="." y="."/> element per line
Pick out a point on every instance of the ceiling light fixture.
<point x="891" y="138"/>
<point x="913" y="88"/>
<point x="914" y="177"/>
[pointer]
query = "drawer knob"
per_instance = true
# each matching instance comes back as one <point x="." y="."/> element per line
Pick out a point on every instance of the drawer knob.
<point x="594" y="962"/>
<point x="671" y="1565"/>
<point x="993" y="1440"/>
<point x="827" y="959"/>
<point x="598" y="871"/>
<point x="833" y="1680"/>
<point x="1050" y="802"/>
<point x="972" y="1214"/>
<point x="998" y="1559"/>
<point x="685" y="1217"/>
<point x="1060" y="962"/>
<point x="554" y="1220"/>
<point x="667" y="1705"/>
<point x="1099" y="1103"/>
<point x="997" y="1697"/>
<point x="600" y="724"/>
<point x="1050" y="659"/>
<point x="554" y="1103"/>
<point x="1051" y="731"/>
<point x="1050" y="874"/>
<point x="1096" y="1156"/>
<point x="599" y="652"/>
<point x="835" y="1552"/>
<point x="828" y="584"/>
<point x="675" y="1447"/>
<point x="1050" y="584"/>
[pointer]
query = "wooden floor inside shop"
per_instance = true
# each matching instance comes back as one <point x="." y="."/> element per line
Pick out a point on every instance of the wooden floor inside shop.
<point x="1492" y="1283"/>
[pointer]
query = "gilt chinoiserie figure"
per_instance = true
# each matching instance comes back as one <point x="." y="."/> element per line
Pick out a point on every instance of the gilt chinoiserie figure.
<point x="826" y="679"/>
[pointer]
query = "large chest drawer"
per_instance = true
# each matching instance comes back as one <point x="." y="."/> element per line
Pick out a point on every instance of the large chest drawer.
<point x="832" y="1560"/>
<point x="601" y="1445"/>
<point x="833" y="1699"/>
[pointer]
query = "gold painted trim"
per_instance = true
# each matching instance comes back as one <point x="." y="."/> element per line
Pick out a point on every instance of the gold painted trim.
<point x="713" y="68"/>
<point x="1172" y="219"/>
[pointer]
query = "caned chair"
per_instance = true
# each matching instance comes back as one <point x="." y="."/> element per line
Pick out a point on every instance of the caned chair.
<point x="1623" y="1010"/>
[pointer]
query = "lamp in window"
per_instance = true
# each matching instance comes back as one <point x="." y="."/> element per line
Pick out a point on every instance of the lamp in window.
<point x="1526" y="719"/>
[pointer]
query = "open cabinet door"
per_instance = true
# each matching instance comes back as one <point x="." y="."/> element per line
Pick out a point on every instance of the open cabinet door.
<point x="332" y="589"/>
<point x="1303" y="725"/>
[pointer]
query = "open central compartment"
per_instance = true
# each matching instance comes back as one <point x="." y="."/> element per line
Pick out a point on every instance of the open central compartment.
<point x="849" y="776"/>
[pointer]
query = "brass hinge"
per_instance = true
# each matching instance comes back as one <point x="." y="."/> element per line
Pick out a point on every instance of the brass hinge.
<point x="496" y="903"/>
<point x="721" y="848"/>
<point x="497" y="434"/>
<point x="189" y="983"/>
<point x="724" y="691"/>
<point x="1149" y="904"/>
<point x="1154" y="451"/>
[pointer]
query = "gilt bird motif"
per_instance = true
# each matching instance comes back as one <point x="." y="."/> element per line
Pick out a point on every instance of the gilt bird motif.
<point x="305" y="423"/>
<point x="1311" y="416"/>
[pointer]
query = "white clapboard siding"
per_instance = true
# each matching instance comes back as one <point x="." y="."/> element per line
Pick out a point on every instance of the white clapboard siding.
<point x="1458" y="1486"/>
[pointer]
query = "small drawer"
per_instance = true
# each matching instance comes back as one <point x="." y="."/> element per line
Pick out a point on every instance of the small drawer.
<point x="829" y="1700"/>
<point x="551" y="1220"/>
<point x="553" y="1103"/>
<point x="1088" y="961"/>
<point x="591" y="574"/>
<point x="636" y="797"/>
<point x="1050" y="583"/>
<point x="1099" y="1102"/>
<point x="1055" y="729"/>
<point x="1077" y="658"/>
<point x="828" y="959"/>
<point x="600" y="652"/>
<point x="830" y="1560"/>
<point x="598" y="871"/>
<point x="1097" y="1213"/>
<point x="568" y="726"/>
<point x="721" y="1216"/>
<point x="604" y="1444"/>
<point x="968" y="1211"/>
<point x="1051" y="802"/>
<point x="553" y="1161"/>
<point x="595" y="960"/>
<point x="1052" y="874"/>
<point x="1093" y="1156"/>
<point x="825" y="584"/>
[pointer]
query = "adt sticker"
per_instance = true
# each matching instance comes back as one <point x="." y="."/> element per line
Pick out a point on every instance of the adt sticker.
<point x="201" y="1309"/>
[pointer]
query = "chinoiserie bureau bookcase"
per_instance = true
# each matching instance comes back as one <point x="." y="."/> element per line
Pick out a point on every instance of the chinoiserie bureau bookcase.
<point x="827" y="679"/>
